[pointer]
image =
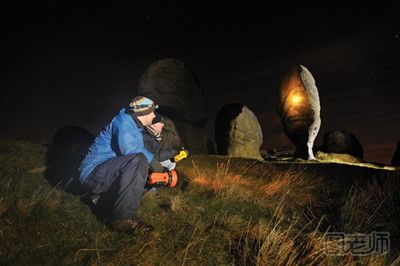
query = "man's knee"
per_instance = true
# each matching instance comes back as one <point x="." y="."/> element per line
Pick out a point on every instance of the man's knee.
<point x="138" y="161"/>
<point x="136" y="168"/>
<point x="140" y="158"/>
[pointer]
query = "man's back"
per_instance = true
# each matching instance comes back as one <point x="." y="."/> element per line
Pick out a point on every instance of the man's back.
<point x="121" y="136"/>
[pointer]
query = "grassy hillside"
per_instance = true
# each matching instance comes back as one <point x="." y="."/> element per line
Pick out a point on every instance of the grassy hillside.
<point x="224" y="211"/>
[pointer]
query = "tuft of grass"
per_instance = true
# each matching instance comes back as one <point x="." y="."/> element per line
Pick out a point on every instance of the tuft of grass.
<point x="178" y="202"/>
<point x="3" y="207"/>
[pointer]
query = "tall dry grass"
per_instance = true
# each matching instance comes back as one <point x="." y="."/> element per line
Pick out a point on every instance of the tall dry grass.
<point x="222" y="212"/>
<point x="286" y="239"/>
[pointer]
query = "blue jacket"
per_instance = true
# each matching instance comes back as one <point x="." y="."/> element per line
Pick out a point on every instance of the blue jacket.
<point x="120" y="137"/>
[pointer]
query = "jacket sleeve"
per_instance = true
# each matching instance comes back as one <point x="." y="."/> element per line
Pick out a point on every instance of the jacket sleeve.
<point x="130" y="140"/>
<point x="160" y="154"/>
<point x="165" y="154"/>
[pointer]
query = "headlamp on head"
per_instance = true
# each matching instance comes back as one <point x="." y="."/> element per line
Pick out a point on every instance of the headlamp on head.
<point x="141" y="105"/>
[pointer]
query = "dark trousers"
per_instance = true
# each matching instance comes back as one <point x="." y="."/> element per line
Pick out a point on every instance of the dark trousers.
<point x="125" y="178"/>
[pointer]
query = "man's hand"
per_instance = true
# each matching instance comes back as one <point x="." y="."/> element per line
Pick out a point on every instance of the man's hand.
<point x="168" y="164"/>
<point x="156" y="167"/>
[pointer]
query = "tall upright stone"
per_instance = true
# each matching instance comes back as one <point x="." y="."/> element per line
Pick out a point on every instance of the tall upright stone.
<point x="396" y="156"/>
<point x="176" y="89"/>
<point x="299" y="110"/>
<point x="238" y="132"/>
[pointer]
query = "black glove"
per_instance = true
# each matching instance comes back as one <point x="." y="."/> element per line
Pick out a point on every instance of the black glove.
<point x="156" y="167"/>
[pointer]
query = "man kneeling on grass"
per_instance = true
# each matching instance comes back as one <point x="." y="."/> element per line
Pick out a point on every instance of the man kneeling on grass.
<point x="118" y="162"/>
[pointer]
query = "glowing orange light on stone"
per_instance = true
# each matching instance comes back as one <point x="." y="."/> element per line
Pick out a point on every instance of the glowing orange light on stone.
<point x="296" y="99"/>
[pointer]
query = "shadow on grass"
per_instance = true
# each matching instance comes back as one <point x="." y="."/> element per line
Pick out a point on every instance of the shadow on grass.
<point x="68" y="148"/>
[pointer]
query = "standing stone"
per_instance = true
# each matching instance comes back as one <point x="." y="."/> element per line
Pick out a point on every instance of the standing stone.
<point x="176" y="89"/>
<point x="341" y="141"/>
<point x="299" y="110"/>
<point x="396" y="156"/>
<point x="238" y="132"/>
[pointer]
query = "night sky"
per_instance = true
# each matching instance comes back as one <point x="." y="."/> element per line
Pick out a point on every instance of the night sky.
<point x="79" y="64"/>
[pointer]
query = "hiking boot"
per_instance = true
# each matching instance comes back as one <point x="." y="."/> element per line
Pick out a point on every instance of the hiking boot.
<point x="129" y="225"/>
<point x="151" y="191"/>
<point x="95" y="198"/>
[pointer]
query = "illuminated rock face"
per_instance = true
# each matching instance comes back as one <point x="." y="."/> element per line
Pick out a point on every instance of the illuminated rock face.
<point x="299" y="110"/>
<point x="238" y="132"/>
<point x="341" y="141"/>
<point x="396" y="156"/>
<point x="175" y="88"/>
<point x="338" y="157"/>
